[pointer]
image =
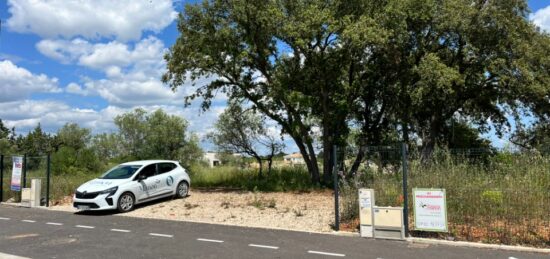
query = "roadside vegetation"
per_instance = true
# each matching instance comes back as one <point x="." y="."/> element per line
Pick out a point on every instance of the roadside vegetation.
<point x="501" y="199"/>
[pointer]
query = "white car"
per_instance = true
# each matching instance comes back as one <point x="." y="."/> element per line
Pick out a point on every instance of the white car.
<point x="131" y="183"/>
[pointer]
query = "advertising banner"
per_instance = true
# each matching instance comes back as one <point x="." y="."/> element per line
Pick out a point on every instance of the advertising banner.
<point x="430" y="210"/>
<point x="16" y="173"/>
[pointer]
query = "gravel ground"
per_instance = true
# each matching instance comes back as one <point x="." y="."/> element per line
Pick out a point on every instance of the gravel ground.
<point x="311" y="211"/>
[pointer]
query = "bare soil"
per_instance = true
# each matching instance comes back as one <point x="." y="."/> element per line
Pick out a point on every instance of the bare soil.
<point x="305" y="211"/>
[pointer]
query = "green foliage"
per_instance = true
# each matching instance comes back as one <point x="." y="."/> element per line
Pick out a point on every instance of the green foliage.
<point x="152" y="136"/>
<point x="107" y="145"/>
<point x="281" y="179"/>
<point x="72" y="135"/>
<point x="495" y="197"/>
<point x="375" y="66"/>
<point x="534" y="137"/>
<point x="68" y="160"/>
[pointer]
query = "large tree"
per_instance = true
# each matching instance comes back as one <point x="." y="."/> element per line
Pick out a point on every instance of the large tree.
<point x="376" y="66"/>
<point x="243" y="131"/>
<point x="289" y="59"/>
<point x="479" y="59"/>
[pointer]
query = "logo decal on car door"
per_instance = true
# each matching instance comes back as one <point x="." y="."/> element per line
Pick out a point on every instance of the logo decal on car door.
<point x="169" y="180"/>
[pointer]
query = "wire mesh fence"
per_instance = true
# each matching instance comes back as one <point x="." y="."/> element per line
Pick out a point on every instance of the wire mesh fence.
<point x="492" y="196"/>
<point x="34" y="167"/>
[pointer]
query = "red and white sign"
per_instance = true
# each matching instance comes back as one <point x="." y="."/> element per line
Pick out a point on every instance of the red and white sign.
<point x="430" y="210"/>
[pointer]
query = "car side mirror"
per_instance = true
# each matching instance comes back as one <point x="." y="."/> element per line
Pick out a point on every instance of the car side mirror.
<point x="141" y="177"/>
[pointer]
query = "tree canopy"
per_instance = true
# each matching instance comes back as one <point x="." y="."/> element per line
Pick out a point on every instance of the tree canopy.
<point x="409" y="66"/>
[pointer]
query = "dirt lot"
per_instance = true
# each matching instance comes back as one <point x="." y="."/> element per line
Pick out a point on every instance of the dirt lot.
<point x="312" y="211"/>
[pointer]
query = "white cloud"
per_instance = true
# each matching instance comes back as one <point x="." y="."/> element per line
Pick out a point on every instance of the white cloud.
<point x="64" y="51"/>
<point x="541" y="18"/>
<point x="121" y="19"/>
<point x="25" y="115"/>
<point x="109" y="57"/>
<point x="75" y="88"/>
<point x="18" y="83"/>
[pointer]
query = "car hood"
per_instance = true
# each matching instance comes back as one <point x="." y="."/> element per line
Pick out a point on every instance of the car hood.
<point x="97" y="185"/>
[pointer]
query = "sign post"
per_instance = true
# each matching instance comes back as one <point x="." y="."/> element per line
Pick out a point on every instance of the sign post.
<point x="16" y="173"/>
<point x="430" y="210"/>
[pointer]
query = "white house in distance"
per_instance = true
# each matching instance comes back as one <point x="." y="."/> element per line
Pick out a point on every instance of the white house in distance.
<point x="294" y="159"/>
<point x="212" y="159"/>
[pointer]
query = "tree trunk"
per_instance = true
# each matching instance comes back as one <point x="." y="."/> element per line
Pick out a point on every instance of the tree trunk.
<point x="269" y="164"/>
<point x="259" y="159"/>
<point x="429" y="141"/>
<point x="358" y="159"/>
<point x="312" y="168"/>
<point x="313" y="161"/>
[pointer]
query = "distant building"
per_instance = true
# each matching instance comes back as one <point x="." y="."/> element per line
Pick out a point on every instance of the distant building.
<point x="212" y="159"/>
<point x="294" y="159"/>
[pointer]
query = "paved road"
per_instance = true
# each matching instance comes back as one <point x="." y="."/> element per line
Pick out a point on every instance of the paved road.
<point x="38" y="233"/>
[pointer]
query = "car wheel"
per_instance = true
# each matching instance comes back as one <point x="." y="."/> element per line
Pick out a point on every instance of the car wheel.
<point x="125" y="202"/>
<point x="182" y="190"/>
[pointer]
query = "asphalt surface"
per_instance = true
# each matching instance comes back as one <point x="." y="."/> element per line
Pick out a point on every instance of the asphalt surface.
<point x="39" y="233"/>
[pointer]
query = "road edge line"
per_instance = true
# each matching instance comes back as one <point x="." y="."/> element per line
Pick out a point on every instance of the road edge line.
<point x="478" y="245"/>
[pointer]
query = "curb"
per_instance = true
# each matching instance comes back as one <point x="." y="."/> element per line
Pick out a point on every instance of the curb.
<point x="19" y="205"/>
<point x="478" y="245"/>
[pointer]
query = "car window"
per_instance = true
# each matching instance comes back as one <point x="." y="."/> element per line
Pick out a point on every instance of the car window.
<point x="149" y="170"/>
<point x="166" y="167"/>
<point x="121" y="172"/>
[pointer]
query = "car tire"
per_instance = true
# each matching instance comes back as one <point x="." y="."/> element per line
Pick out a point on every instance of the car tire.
<point x="126" y="202"/>
<point x="182" y="190"/>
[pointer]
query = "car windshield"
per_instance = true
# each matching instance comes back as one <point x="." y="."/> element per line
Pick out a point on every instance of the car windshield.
<point x="121" y="172"/>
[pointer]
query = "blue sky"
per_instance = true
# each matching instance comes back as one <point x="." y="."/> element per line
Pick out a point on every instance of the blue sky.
<point x="88" y="61"/>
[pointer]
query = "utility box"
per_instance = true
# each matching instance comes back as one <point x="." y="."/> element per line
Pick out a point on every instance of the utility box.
<point x="388" y="223"/>
<point x="366" y="212"/>
<point x="35" y="192"/>
<point x="26" y="197"/>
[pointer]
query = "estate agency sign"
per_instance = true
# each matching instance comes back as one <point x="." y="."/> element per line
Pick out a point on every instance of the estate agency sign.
<point x="430" y="210"/>
<point x="16" y="173"/>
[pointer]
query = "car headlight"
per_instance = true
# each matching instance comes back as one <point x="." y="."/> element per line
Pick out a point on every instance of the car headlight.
<point x="110" y="191"/>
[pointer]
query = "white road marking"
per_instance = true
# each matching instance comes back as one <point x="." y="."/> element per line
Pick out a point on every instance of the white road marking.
<point x="120" y="230"/>
<point x="54" y="223"/>
<point x="83" y="226"/>
<point x="4" y="218"/>
<point x="325" y="253"/>
<point x="28" y="221"/>
<point x="264" y="246"/>
<point x="511" y="257"/>
<point x="210" y="240"/>
<point x="8" y="256"/>
<point x="160" y="235"/>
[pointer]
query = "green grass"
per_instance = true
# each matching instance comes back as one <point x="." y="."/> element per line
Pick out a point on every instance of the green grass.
<point x="280" y="179"/>
<point x="502" y="200"/>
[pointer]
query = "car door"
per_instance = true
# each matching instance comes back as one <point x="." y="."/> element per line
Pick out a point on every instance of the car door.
<point x="167" y="180"/>
<point x="149" y="186"/>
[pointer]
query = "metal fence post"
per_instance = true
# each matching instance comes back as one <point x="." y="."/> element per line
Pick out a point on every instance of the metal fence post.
<point x="1" y="178"/>
<point x="405" y="189"/>
<point x="24" y="171"/>
<point x="336" y="202"/>
<point x="48" y="161"/>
